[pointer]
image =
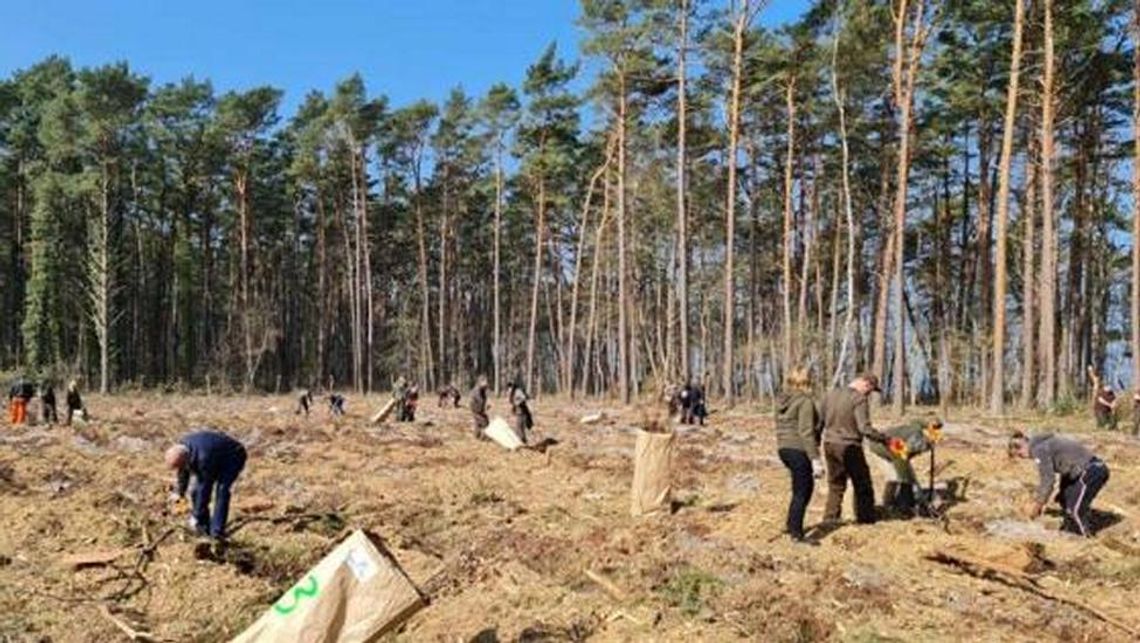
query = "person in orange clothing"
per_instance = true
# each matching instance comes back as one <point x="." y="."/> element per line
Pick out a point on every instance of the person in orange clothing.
<point x="18" y="397"/>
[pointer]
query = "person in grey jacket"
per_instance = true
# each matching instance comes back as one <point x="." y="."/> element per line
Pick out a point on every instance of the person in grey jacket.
<point x="798" y="428"/>
<point x="1082" y="476"/>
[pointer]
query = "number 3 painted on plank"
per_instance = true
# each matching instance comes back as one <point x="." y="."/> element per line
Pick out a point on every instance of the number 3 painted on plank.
<point x="296" y="595"/>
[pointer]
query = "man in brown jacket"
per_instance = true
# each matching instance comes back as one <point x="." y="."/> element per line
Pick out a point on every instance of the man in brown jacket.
<point x="847" y="421"/>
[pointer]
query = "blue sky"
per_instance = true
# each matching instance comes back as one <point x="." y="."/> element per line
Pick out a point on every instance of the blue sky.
<point x="406" y="49"/>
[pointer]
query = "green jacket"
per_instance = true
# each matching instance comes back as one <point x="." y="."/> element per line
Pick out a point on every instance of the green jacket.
<point x="798" y="423"/>
<point x="914" y="436"/>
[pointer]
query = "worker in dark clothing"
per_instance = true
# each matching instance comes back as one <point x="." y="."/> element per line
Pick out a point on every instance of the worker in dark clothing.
<point x="47" y="401"/>
<point x="798" y="428"/>
<point x="74" y="403"/>
<point x="336" y="404"/>
<point x="215" y="460"/>
<point x="672" y="398"/>
<point x="1105" y="408"/>
<point x="1082" y="476"/>
<point x="408" y="404"/>
<point x="478" y="407"/>
<point x="449" y="393"/>
<point x="524" y="421"/>
<point x="693" y="409"/>
<point x="304" y="403"/>
<point x="400" y="394"/>
<point x="19" y="396"/>
<point x="847" y="421"/>
<point x="901" y="491"/>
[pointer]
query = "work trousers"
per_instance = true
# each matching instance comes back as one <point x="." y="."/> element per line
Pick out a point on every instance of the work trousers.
<point x="1077" y="495"/>
<point x="219" y="486"/>
<point x="803" y="484"/>
<point x="847" y="462"/>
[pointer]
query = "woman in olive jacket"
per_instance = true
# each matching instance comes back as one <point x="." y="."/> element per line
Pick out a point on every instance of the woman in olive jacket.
<point x="798" y="428"/>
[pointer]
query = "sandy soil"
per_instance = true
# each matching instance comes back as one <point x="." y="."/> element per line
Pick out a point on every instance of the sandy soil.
<point x="500" y="542"/>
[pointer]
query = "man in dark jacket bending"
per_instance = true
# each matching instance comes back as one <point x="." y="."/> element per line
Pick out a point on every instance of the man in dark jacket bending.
<point x="215" y="460"/>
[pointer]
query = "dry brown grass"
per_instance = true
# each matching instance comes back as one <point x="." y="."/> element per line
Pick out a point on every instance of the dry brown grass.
<point x="500" y="541"/>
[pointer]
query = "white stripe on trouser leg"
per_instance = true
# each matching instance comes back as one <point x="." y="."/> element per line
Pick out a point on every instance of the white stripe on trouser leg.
<point x="1075" y="512"/>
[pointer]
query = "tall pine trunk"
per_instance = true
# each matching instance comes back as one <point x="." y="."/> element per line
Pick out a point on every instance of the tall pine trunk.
<point x="848" y="212"/>
<point x="997" y="390"/>
<point x="497" y="344"/>
<point x="787" y="356"/>
<point x="682" y="219"/>
<point x="623" y="317"/>
<point x="1028" y="296"/>
<point x="583" y="233"/>
<point x="730" y="209"/>
<point x="1047" y="339"/>
<point x="904" y="100"/>
<point x="427" y="370"/>
<point x="539" y="228"/>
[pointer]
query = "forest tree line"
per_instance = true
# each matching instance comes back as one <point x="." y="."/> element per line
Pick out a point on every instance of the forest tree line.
<point x="938" y="192"/>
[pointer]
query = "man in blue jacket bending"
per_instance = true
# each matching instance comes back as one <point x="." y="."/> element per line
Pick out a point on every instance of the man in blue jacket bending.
<point x="215" y="460"/>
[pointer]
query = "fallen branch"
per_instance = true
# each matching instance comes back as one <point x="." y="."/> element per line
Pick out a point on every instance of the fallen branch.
<point x="1020" y="580"/>
<point x="614" y="591"/>
<point x="620" y="614"/>
<point x="132" y="633"/>
<point x="985" y="566"/>
<point x="84" y="560"/>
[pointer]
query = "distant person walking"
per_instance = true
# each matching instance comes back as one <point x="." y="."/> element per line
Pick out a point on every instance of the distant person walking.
<point x="478" y="406"/>
<point x="74" y="403"/>
<point x="215" y="460"/>
<point x="524" y="421"/>
<point x="49" y="413"/>
<point x="1105" y="408"/>
<point x="304" y="403"/>
<point x="693" y="409"/>
<point x="408" y="404"/>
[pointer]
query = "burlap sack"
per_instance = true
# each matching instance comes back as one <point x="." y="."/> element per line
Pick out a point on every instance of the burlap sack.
<point x="652" y="461"/>
<point x="503" y="435"/>
<point x="384" y="411"/>
<point x="357" y="593"/>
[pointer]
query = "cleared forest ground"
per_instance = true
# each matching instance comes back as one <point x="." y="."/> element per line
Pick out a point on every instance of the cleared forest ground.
<point x="500" y="542"/>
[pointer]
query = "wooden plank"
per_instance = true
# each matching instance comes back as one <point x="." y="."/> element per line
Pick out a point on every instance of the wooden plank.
<point x="384" y="412"/>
